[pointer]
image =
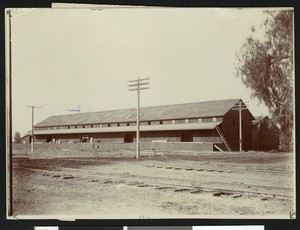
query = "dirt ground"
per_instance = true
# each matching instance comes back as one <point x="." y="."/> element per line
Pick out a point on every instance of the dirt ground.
<point x="101" y="184"/>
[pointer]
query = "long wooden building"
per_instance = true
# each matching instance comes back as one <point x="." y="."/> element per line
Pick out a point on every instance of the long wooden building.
<point x="213" y="122"/>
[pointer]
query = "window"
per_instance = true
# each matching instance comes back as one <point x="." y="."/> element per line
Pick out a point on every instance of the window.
<point x="207" y="119"/>
<point x="167" y="122"/>
<point x="144" y="123"/>
<point x="132" y="124"/>
<point x="96" y="125"/>
<point x="113" y="125"/>
<point x="219" y="118"/>
<point x="123" y="124"/>
<point x="181" y="121"/>
<point x="154" y="122"/>
<point x="88" y="126"/>
<point x="194" y="120"/>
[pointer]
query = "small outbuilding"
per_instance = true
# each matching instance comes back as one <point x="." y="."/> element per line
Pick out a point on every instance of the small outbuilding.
<point x="26" y="138"/>
<point x="265" y="134"/>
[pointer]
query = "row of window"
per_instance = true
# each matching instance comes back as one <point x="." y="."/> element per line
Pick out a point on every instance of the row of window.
<point x="162" y="122"/>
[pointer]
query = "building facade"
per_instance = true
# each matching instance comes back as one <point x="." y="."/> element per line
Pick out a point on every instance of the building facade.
<point x="212" y="122"/>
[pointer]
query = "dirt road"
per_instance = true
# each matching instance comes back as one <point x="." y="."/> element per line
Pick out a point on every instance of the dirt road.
<point x="157" y="185"/>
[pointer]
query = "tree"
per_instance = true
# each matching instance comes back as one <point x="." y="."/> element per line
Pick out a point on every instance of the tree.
<point x="266" y="67"/>
<point x="17" y="137"/>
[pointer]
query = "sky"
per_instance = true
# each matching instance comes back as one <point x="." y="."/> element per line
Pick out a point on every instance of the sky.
<point x="82" y="59"/>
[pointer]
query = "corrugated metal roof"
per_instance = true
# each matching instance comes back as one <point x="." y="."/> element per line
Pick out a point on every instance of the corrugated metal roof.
<point x="164" y="112"/>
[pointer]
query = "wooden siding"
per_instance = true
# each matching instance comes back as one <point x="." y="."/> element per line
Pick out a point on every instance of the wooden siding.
<point x="169" y="136"/>
<point x="107" y="137"/>
<point x="230" y="129"/>
<point x="206" y="136"/>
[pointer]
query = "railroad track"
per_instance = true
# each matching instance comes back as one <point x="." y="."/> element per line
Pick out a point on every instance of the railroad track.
<point x="229" y="169"/>
<point x="196" y="167"/>
<point x="174" y="184"/>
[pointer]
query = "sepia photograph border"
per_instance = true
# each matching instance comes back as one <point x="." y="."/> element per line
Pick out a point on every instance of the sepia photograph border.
<point x="8" y="158"/>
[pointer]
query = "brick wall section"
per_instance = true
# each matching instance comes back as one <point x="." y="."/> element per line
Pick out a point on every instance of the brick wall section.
<point x="118" y="146"/>
<point x="178" y="146"/>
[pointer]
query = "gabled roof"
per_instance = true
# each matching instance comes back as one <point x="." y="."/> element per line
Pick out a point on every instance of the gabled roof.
<point x="264" y="120"/>
<point x="26" y="134"/>
<point x="164" y="112"/>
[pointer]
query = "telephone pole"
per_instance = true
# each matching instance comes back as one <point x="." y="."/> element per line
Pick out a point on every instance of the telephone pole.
<point x="32" y="124"/>
<point x="138" y="85"/>
<point x="240" y="107"/>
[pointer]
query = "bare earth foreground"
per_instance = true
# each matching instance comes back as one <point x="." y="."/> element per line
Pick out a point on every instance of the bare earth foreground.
<point x="113" y="184"/>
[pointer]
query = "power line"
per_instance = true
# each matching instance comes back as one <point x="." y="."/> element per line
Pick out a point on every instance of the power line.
<point x="138" y="85"/>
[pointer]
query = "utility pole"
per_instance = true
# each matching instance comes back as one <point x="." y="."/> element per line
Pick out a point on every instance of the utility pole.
<point x="138" y="85"/>
<point x="240" y="107"/>
<point x="32" y="124"/>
